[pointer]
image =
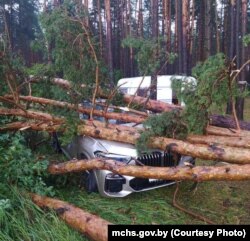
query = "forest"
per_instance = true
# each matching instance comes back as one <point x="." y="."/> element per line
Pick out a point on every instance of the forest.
<point x="60" y="66"/>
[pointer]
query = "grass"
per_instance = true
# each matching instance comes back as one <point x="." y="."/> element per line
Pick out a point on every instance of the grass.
<point x="222" y="202"/>
<point x="22" y="220"/>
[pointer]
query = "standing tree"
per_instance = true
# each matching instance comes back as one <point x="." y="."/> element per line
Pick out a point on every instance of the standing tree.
<point x="109" y="42"/>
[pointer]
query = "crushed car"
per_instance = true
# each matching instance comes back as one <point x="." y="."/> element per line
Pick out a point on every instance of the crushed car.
<point x="109" y="184"/>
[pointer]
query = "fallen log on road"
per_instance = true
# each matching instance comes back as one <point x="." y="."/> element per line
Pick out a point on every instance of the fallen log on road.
<point x="197" y="173"/>
<point x="90" y="225"/>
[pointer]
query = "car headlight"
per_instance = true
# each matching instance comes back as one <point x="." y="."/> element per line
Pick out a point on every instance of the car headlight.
<point x="120" y="158"/>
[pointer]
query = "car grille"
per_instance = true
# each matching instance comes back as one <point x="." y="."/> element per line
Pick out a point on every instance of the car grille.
<point x="157" y="159"/>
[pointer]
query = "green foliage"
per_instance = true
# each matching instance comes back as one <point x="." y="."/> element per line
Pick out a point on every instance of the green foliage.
<point x="149" y="54"/>
<point x="246" y="40"/>
<point x="167" y="124"/>
<point x="12" y="71"/>
<point x="72" y="56"/>
<point x="18" y="166"/>
<point x="211" y="90"/>
<point x="21" y="219"/>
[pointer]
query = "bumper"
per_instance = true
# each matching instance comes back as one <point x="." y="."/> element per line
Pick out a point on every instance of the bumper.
<point x="110" y="185"/>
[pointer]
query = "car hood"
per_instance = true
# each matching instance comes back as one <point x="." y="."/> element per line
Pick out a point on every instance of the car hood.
<point x="118" y="148"/>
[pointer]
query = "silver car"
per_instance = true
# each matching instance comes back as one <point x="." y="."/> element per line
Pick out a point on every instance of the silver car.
<point x="114" y="185"/>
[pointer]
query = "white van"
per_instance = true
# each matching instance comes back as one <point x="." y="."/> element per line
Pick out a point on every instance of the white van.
<point x="164" y="90"/>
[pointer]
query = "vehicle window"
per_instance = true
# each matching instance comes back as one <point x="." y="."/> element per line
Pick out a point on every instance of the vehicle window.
<point x="142" y="92"/>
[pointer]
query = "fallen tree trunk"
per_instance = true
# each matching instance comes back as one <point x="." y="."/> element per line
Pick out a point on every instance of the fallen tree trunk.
<point x="198" y="173"/>
<point x="228" y="122"/>
<point x="30" y="114"/>
<point x="153" y="105"/>
<point x="206" y="152"/>
<point x="54" y="127"/>
<point x="241" y="142"/>
<point x="62" y="104"/>
<point x="36" y="126"/>
<point x="218" y="131"/>
<point x="91" y="225"/>
<point x="65" y="84"/>
<point x="217" y="120"/>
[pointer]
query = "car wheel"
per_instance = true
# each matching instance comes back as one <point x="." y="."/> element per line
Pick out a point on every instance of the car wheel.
<point x="88" y="178"/>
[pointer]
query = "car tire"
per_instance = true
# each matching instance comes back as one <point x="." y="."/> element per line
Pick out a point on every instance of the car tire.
<point x="90" y="182"/>
<point x="88" y="178"/>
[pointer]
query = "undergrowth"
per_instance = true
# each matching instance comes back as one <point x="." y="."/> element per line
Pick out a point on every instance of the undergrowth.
<point x="20" y="219"/>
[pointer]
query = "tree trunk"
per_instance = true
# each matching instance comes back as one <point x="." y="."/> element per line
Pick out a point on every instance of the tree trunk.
<point x="240" y="29"/>
<point x="36" y="126"/>
<point x="154" y="19"/>
<point x="208" y="28"/>
<point x="140" y="20"/>
<point x="157" y="106"/>
<point x="185" y="28"/>
<point x="100" y="26"/>
<point x="180" y="37"/>
<point x="241" y="142"/>
<point x="213" y="130"/>
<point x="109" y="42"/>
<point x="109" y="115"/>
<point x="198" y="173"/>
<point x="228" y="122"/>
<point x="206" y="152"/>
<point x="155" y="33"/>
<point x="90" y="225"/>
<point x="232" y="44"/>
<point x="31" y="115"/>
<point x="154" y="105"/>
<point x="201" y="31"/>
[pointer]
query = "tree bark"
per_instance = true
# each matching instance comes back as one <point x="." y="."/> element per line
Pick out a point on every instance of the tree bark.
<point x="109" y="42"/>
<point x="36" y="126"/>
<point x="214" y="130"/>
<point x="206" y="152"/>
<point x="31" y="115"/>
<point x="180" y="37"/>
<point x="100" y="26"/>
<point x="241" y="142"/>
<point x="241" y="7"/>
<point x="154" y="105"/>
<point x="157" y="106"/>
<point x="228" y="122"/>
<point x="185" y="26"/>
<point x="90" y="225"/>
<point x="198" y="173"/>
<point x="201" y="31"/>
<point x="109" y="115"/>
